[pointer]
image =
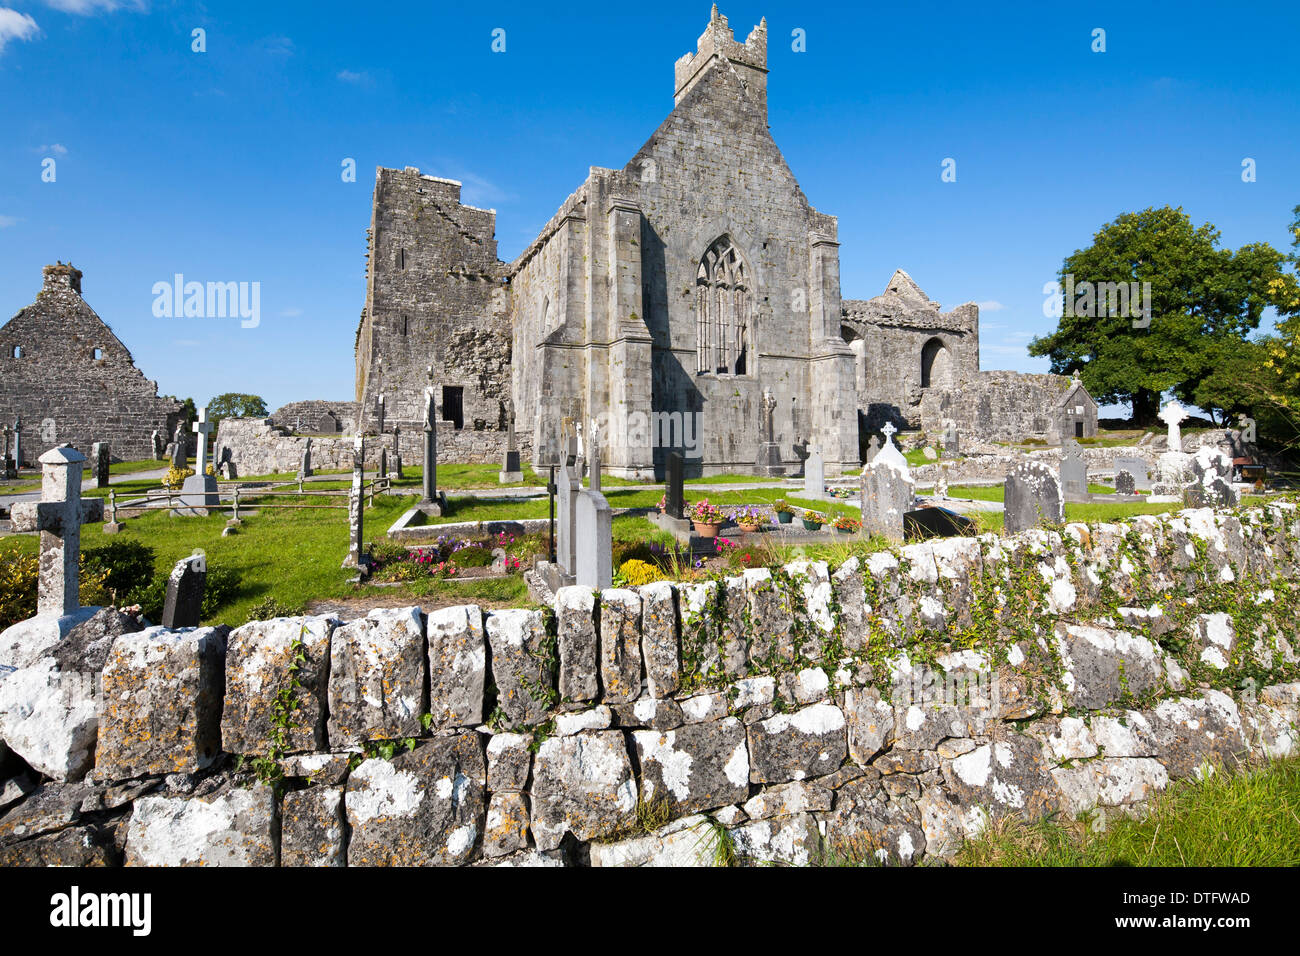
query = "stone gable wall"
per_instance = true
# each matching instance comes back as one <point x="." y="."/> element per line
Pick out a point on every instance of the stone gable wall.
<point x="777" y="711"/>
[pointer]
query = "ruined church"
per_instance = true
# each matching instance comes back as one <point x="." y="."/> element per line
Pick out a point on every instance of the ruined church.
<point x="665" y="299"/>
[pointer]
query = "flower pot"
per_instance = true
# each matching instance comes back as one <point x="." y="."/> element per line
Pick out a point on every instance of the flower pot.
<point x="811" y="525"/>
<point x="749" y="528"/>
<point x="845" y="530"/>
<point x="706" y="530"/>
<point x="784" y="517"/>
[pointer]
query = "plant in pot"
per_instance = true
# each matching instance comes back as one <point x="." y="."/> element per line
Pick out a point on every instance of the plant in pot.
<point x="847" y="525"/>
<point x="663" y="504"/>
<point x="812" y="520"/>
<point x="706" y="518"/>
<point x="750" y="518"/>
<point x="784" y="513"/>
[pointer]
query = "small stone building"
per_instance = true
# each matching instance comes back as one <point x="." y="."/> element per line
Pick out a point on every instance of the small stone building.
<point x="999" y="406"/>
<point x="72" y="380"/>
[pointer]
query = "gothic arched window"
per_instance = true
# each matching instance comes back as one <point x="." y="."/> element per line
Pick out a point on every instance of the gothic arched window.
<point x="724" y="310"/>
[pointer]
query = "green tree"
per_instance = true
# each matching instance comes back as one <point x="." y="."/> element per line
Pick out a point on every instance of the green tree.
<point x="1204" y="302"/>
<point x="188" y="412"/>
<point x="236" y="405"/>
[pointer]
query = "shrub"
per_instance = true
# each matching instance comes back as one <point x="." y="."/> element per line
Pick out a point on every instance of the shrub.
<point x="128" y="567"/>
<point x="386" y="552"/>
<point x="781" y="508"/>
<point x="636" y="572"/>
<point x="19" y="576"/>
<point x="175" y="477"/>
<point x="474" y="556"/>
<point x="220" y="588"/>
<point x="269" y="608"/>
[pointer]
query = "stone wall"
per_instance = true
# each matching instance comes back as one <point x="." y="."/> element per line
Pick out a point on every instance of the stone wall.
<point x="318" y="417"/>
<point x="72" y="380"/>
<point x="891" y="707"/>
<point x="1006" y="406"/>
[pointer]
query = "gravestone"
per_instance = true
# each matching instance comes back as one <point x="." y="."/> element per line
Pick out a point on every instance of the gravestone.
<point x="674" y="495"/>
<point x="112" y="525"/>
<point x="951" y="442"/>
<point x="941" y="483"/>
<point x="1211" y="483"/>
<point x="886" y="490"/>
<point x="8" y="469"/>
<point x="1032" y="498"/>
<point x="180" y="450"/>
<point x="769" y="453"/>
<point x="593" y="469"/>
<point x="58" y="516"/>
<point x="183" y="606"/>
<point x="379" y="413"/>
<point x="873" y="448"/>
<point x="396" y="473"/>
<point x="158" y="445"/>
<point x="511" y="472"/>
<point x="1125" y="484"/>
<point x="566" y="501"/>
<point x="99" y="453"/>
<point x="1137" y="469"/>
<point x="199" y="492"/>
<point x="1173" y="415"/>
<point x="594" y="540"/>
<point x="1074" y="473"/>
<point x="383" y="461"/>
<point x="433" y="502"/>
<point x="356" y="510"/>
<point x="18" y="442"/>
<point x="814" y="473"/>
<point x="304" y="469"/>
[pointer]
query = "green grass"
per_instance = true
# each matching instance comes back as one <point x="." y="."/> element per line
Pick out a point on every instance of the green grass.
<point x="131" y="467"/>
<point x="1230" y="819"/>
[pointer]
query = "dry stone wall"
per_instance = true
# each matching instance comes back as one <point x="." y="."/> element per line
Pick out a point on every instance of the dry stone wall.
<point x="892" y="707"/>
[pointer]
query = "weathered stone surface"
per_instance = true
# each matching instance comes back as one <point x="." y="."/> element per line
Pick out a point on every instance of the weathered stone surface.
<point x="92" y="845"/>
<point x="259" y="657"/>
<point x="870" y="723"/>
<point x="425" y="807"/>
<point x="528" y="858"/>
<point x="312" y="827"/>
<point x="851" y="596"/>
<point x="620" y="645"/>
<point x="794" y="840"/>
<point x="658" y="714"/>
<point x="596" y="718"/>
<point x="1092" y="658"/>
<point x="695" y="767"/>
<point x="704" y="707"/>
<point x="457" y="666"/>
<point x="690" y="841"/>
<point x="322" y="769"/>
<point x="521" y="676"/>
<point x="28" y="641"/>
<point x="659" y="638"/>
<point x="770" y="627"/>
<point x="584" y="785"/>
<point x="1109" y="781"/>
<point x="1008" y="776"/>
<point x="162" y="702"/>
<point x="575" y="611"/>
<point x="50" y="717"/>
<point x="786" y="798"/>
<point x="229" y="828"/>
<point x="376" y="678"/>
<point x="1032" y="498"/>
<point x="808" y="743"/>
<point x="871" y="821"/>
<point x="50" y="807"/>
<point x="509" y="762"/>
<point x="1214" y="636"/>
<point x="506" y="830"/>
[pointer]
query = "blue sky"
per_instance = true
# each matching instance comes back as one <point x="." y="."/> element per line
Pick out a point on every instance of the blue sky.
<point x="225" y="165"/>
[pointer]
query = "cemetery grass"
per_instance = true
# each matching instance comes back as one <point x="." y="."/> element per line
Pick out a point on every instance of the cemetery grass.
<point x="1248" y="817"/>
<point x="478" y="477"/>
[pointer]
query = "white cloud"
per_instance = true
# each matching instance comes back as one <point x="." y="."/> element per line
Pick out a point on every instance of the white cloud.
<point x="88" y="8"/>
<point x="278" y="46"/>
<point x="990" y="306"/>
<point x="56" y="149"/>
<point x="7" y="221"/>
<point x="356" y="77"/>
<point x="16" y="26"/>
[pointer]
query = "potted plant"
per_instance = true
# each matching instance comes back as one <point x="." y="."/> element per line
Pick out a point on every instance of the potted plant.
<point x="749" y="518"/>
<point x="847" y="525"/>
<point x="784" y="513"/>
<point x="706" y="518"/>
<point x="663" y="503"/>
<point x="812" y="520"/>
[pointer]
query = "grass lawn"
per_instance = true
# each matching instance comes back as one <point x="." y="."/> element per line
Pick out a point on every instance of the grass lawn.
<point x="1231" y="819"/>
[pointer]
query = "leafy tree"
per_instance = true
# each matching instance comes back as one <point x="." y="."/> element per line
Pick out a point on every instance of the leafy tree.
<point x="1205" y="302"/>
<point x="188" y="412"/>
<point x="236" y="405"/>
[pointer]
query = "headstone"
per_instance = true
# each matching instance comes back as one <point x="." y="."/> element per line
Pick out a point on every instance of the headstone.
<point x="1074" y="472"/>
<point x="674" y="494"/>
<point x="814" y="473"/>
<point x="769" y="453"/>
<point x="1125" y="483"/>
<point x="1033" y="497"/>
<point x="157" y="444"/>
<point x="226" y="464"/>
<point x="383" y="461"/>
<point x="873" y="447"/>
<point x="18" y="442"/>
<point x="180" y="451"/>
<point x="1137" y="469"/>
<point x="99" y="453"/>
<point x="356" y="509"/>
<point x="112" y="525"/>
<point x="886" y="489"/>
<point x="8" y="469"/>
<point x="594" y="532"/>
<point x="1174" y="415"/>
<point x="511" y="472"/>
<point x="593" y="473"/>
<point x="304" y="470"/>
<point x="1211" y="483"/>
<point x="397" y="454"/>
<point x="889" y="451"/>
<point x="951" y="442"/>
<point x="183" y="606"/>
<point x="379" y="413"/>
<point x="58" y="516"/>
<point x="566" y="501"/>
<point x="199" y="492"/>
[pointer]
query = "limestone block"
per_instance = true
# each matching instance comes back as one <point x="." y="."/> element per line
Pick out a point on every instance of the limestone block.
<point x="509" y="761"/>
<point x="659" y="638"/>
<point x="807" y="743"/>
<point x="521" y="676"/>
<point x="689" y="841"/>
<point x="793" y="840"/>
<point x="312" y="827"/>
<point x="229" y="828"/>
<point x="376" y="678"/>
<point x="506" y="830"/>
<point x="577" y="643"/>
<point x="694" y="767"/>
<point x="620" y="645"/>
<point x="582" y="784"/>
<point x="457" y="666"/>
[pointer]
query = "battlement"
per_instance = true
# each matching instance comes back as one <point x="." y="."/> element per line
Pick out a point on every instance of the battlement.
<point x="62" y="277"/>
<point x="718" y="42"/>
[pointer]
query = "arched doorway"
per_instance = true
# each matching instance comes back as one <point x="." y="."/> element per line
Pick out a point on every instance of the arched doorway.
<point x="936" y="364"/>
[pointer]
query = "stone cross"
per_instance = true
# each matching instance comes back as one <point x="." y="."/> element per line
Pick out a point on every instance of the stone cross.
<point x="430" y="447"/>
<point x="397" y="452"/>
<point x="769" y="420"/>
<point x="58" y="518"/>
<point x="183" y="605"/>
<point x="18" y="442"/>
<point x="873" y="446"/>
<point x="510" y="470"/>
<point x="356" y="506"/>
<point x="674" y="498"/>
<point x="379" y="413"/>
<point x="593" y="473"/>
<point x="202" y="428"/>
<point x="99" y="452"/>
<point x="4" y="449"/>
<point x="888" y="431"/>
<point x="1174" y="415"/>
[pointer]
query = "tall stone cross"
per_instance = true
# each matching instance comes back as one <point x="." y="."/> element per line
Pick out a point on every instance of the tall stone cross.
<point x="379" y="413"/>
<point x="430" y="445"/>
<point x="203" y="428"/>
<point x="593" y="474"/>
<point x="888" y="431"/>
<point x="58" y="517"/>
<point x="1174" y="415"/>
<point x="18" y="442"/>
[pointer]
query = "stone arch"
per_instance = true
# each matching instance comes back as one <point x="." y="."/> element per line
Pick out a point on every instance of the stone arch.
<point x="724" y="310"/>
<point x="936" y="364"/>
<point x="858" y="345"/>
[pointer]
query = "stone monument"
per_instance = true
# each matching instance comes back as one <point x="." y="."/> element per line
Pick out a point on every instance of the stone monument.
<point x="769" y="453"/>
<point x="199" y="493"/>
<point x="1032" y="498"/>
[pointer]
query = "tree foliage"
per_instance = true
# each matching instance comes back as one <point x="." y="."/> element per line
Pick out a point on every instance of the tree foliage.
<point x="1205" y="301"/>
<point x="236" y="405"/>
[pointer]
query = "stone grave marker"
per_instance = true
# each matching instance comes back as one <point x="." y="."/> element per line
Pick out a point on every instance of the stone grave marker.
<point x="1074" y="472"/>
<point x="886" y="490"/>
<point x="18" y="442"/>
<point x="594" y="540"/>
<point x="511" y="473"/>
<point x="1033" y="497"/>
<point x="356" y="509"/>
<point x="674" y="494"/>
<point x="566" y="502"/>
<point x="100" y="454"/>
<point x="873" y="448"/>
<point x="769" y="452"/>
<point x="1137" y="469"/>
<point x="199" y="492"/>
<point x="304" y="469"/>
<point x="1173" y="415"/>
<point x="433" y="502"/>
<point x="396" y="473"/>
<point x="814" y="473"/>
<point x="1125" y="484"/>
<point x="183" y="606"/>
<point x="951" y="440"/>
<point x="593" y="468"/>
<point x="180" y="451"/>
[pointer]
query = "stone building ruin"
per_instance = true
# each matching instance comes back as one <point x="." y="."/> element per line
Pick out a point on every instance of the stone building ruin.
<point x="664" y="299"/>
<point x="70" y="379"/>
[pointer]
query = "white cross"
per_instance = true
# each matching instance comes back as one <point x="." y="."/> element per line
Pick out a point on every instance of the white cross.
<point x="1173" y="415"/>
<point x="888" y="431"/>
<point x="58" y="517"/>
<point x="203" y="428"/>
